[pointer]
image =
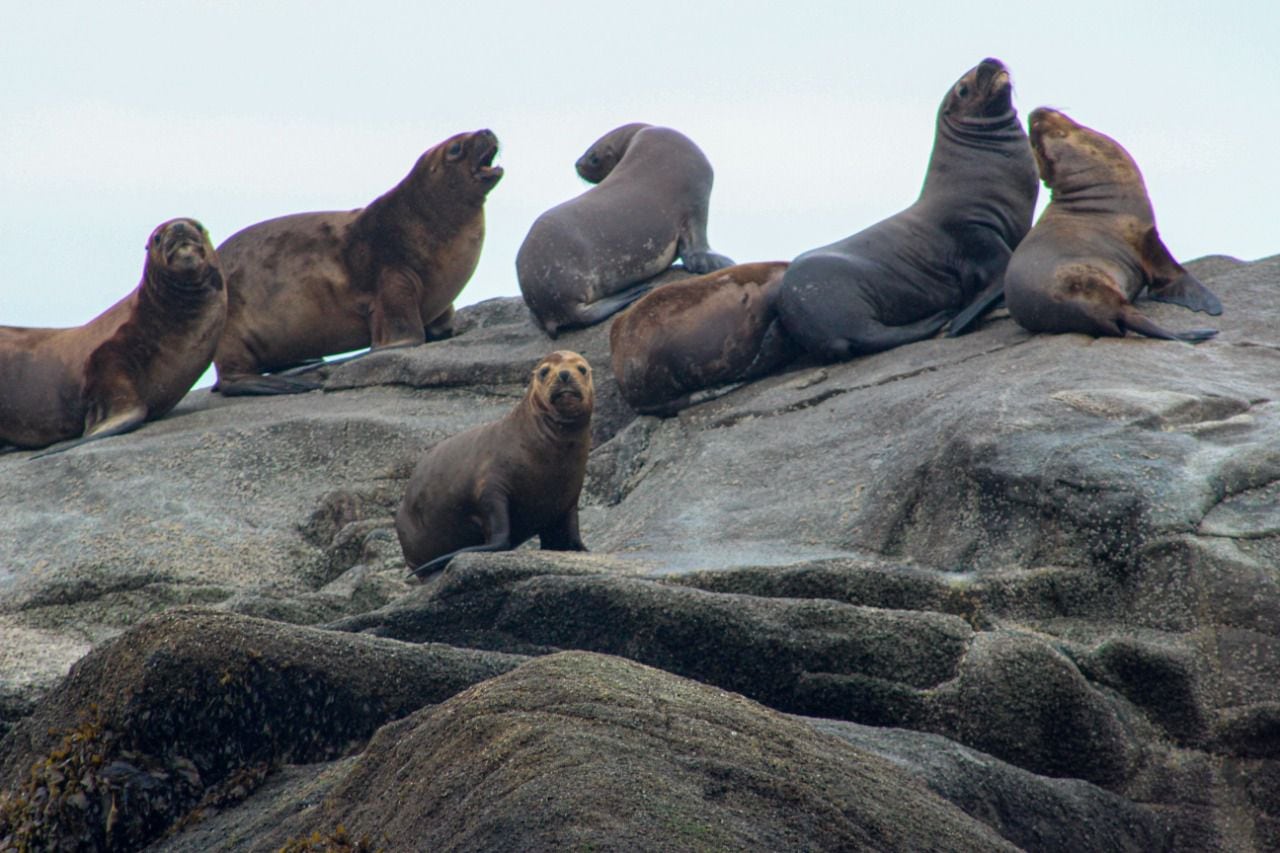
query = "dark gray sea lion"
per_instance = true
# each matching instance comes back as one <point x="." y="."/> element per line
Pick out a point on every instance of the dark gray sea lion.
<point x="494" y="486"/>
<point x="692" y="335"/>
<point x="315" y="284"/>
<point x="595" y="254"/>
<point x="1095" y="247"/>
<point x="902" y="279"/>
<point x="130" y="364"/>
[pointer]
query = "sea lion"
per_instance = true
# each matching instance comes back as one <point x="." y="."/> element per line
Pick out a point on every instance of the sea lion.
<point x="494" y="486"/>
<point x="1095" y="247"/>
<point x="595" y="254"/>
<point x="699" y="333"/>
<point x="130" y="364"/>
<point x="903" y="278"/>
<point x="314" y="284"/>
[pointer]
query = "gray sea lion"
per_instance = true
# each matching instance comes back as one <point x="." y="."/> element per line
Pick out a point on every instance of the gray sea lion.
<point x="903" y="278"/>
<point x="684" y="338"/>
<point x="1095" y="247"/>
<point x="593" y="255"/>
<point x="130" y="364"/>
<point x="494" y="486"/>
<point x="314" y="284"/>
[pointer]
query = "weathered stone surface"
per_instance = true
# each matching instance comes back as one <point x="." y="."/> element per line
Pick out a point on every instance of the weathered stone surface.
<point x="192" y="700"/>
<point x="1057" y="550"/>
<point x="579" y="750"/>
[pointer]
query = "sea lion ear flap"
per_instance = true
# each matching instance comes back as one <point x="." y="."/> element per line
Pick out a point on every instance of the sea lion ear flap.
<point x="1170" y="282"/>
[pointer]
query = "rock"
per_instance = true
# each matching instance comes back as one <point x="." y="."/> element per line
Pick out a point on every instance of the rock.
<point x="580" y="750"/>
<point x="1055" y="552"/>
<point x="191" y="709"/>
<point x="1032" y="812"/>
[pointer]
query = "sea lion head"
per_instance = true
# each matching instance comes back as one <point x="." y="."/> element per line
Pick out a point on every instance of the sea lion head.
<point x="180" y="249"/>
<point x="985" y="92"/>
<point x="599" y="160"/>
<point x="1071" y="156"/>
<point x="460" y="167"/>
<point x="561" y="388"/>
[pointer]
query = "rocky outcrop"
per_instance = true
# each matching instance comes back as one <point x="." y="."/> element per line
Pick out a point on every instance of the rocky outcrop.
<point x="1037" y="574"/>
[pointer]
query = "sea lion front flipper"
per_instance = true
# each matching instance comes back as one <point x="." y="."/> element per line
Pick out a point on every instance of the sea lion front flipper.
<point x="394" y="317"/>
<point x="1170" y="282"/>
<point x="991" y="298"/>
<point x="1188" y="291"/>
<point x="563" y="535"/>
<point x="116" y="424"/>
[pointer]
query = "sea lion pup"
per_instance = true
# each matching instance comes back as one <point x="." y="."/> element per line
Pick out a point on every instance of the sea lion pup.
<point x="595" y="254"/>
<point x="130" y="364"/>
<point x="494" y="486"/>
<point x="699" y="333"/>
<point x="1095" y="246"/>
<point x="903" y="278"/>
<point x="314" y="284"/>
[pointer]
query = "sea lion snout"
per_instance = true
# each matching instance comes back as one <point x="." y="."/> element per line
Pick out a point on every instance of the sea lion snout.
<point x="183" y="245"/>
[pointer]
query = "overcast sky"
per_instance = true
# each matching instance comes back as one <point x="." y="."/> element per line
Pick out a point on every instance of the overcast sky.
<point x="817" y="116"/>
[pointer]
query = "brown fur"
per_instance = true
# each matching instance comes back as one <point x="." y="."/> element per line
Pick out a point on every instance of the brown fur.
<point x="494" y="486"/>
<point x="698" y="333"/>
<point x="316" y="284"/>
<point x="130" y="364"/>
<point x="1095" y="247"/>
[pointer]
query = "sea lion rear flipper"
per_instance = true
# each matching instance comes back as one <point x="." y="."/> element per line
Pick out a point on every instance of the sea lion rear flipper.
<point x="1170" y="282"/>
<point x="1135" y="320"/>
<point x="496" y="523"/>
<point x="590" y="313"/>
<point x="991" y="298"/>
<point x="249" y="385"/>
<point x="868" y="335"/>
<point x="444" y="559"/>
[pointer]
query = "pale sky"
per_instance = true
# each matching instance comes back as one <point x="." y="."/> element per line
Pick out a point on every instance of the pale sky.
<point x="817" y="116"/>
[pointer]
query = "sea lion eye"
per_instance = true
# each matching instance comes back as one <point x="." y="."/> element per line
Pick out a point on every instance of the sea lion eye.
<point x="544" y="372"/>
<point x="582" y="369"/>
<point x="962" y="90"/>
<point x="454" y="151"/>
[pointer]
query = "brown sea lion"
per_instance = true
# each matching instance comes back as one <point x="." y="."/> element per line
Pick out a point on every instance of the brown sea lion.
<point x="1095" y="247"/>
<point x="494" y="486"/>
<point x="697" y="334"/>
<point x="130" y="364"/>
<point x="314" y="284"/>
<point x="595" y="254"/>
<point x="903" y="278"/>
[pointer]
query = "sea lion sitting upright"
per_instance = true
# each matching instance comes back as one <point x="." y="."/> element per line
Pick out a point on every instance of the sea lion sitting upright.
<point x="494" y="486"/>
<point x="699" y="333"/>
<point x="314" y="284"/>
<point x="595" y="254"/>
<point x="901" y="279"/>
<point x="130" y="364"/>
<point x="1095" y="246"/>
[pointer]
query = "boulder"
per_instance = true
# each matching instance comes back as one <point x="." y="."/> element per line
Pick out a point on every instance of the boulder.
<point x="1055" y="552"/>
